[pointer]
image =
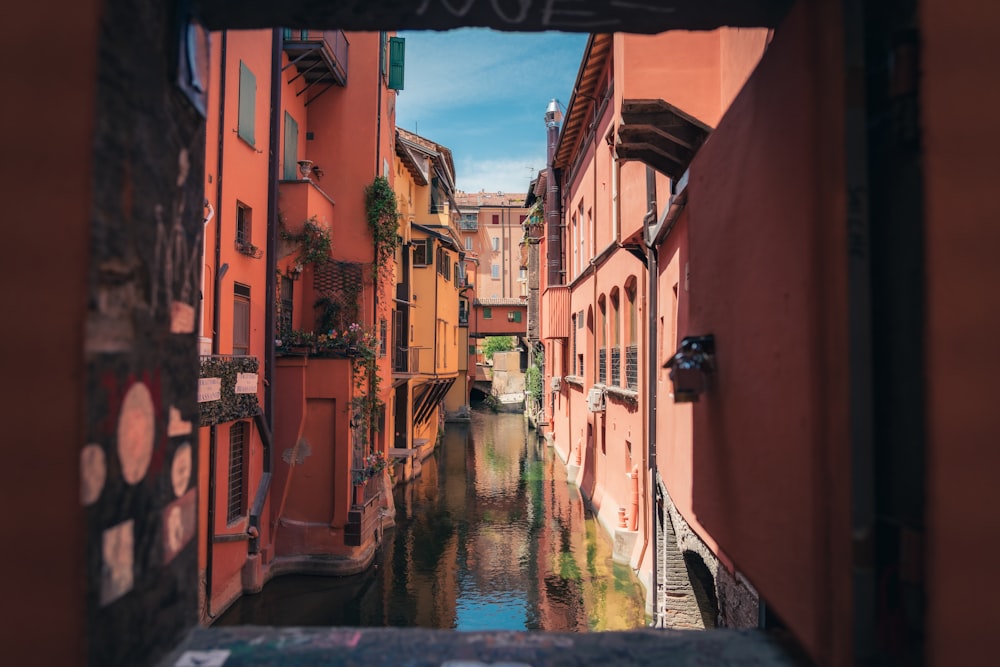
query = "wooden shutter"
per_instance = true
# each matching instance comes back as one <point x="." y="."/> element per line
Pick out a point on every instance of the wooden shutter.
<point x="397" y="50"/>
<point x="241" y="319"/>
<point x="290" y="171"/>
<point x="248" y="96"/>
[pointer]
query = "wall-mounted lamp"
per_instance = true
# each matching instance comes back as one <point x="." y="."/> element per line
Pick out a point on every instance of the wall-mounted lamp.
<point x="691" y="368"/>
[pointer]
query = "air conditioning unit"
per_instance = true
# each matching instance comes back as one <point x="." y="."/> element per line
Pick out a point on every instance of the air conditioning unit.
<point x="556" y="383"/>
<point x="595" y="400"/>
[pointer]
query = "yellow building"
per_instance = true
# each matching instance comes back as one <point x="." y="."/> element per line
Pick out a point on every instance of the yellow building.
<point x="430" y="343"/>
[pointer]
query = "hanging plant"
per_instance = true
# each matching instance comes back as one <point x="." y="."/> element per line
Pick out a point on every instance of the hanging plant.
<point x="383" y="221"/>
<point x="315" y="242"/>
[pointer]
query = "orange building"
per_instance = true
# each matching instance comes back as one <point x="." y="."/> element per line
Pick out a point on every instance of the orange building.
<point x="600" y="385"/>
<point x="491" y="227"/>
<point x="288" y="415"/>
<point x="426" y="365"/>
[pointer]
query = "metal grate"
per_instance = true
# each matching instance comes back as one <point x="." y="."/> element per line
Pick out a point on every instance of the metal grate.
<point x="338" y="287"/>
<point x="237" y="443"/>
<point x="616" y="364"/>
<point x="632" y="367"/>
<point x="602" y="366"/>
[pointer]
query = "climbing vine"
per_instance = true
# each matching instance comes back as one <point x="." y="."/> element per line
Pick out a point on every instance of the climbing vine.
<point x="383" y="221"/>
<point x="315" y="242"/>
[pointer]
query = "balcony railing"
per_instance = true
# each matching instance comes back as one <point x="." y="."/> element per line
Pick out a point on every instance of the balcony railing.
<point x="227" y="388"/>
<point x="320" y="56"/>
<point x="468" y="225"/>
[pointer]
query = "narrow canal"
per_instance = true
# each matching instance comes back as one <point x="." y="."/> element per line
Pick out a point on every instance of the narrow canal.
<point x="490" y="537"/>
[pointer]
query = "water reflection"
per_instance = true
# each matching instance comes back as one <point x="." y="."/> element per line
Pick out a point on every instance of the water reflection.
<point x="490" y="537"/>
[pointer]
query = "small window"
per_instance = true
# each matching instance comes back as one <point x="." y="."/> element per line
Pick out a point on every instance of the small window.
<point x="496" y="243"/>
<point x="235" y="506"/>
<point x="514" y="316"/>
<point x="383" y="335"/>
<point x="468" y="243"/>
<point x="244" y="216"/>
<point x="456" y="273"/>
<point x="241" y="319"/>
<point x="247" y="102"/>
<point x="420" y="257"/>
<point x="487" y="313"/>
<point x="496" y="218"/>
<point x="286" y="305"/>
<point x="290" y="168"/>
<point x="495" y="271"/>
<point x="472" y="349"/>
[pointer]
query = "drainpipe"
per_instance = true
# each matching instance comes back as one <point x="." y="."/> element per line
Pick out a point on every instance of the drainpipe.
<point x="553" y="212"/>
<point x="216" y="325"/>
<point x="270" y="282"/>
<point x="652" y="272"/>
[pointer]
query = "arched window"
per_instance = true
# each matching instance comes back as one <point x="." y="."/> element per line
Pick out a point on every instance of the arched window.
<point x="632" y="336"/>
<point x="616" y="340"/>
<point x="602" y="341"/>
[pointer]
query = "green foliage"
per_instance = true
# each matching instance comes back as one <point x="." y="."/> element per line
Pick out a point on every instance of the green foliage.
<point x="494" y="344"/>
<point x="383" y="220"/>
<point x="533" y="381"/>
<point x="315" y="242"/>
<point x="231" y="406"/>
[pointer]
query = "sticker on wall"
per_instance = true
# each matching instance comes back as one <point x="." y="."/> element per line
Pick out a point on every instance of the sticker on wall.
<point x="209" y="389"/>
<point x="246" y="383"/>
<point x="93" y="473"/>
<point x="117" y="548"/>
<point x="178" y="525"/>
<point x="177" y="426"/>
<point x="180" y="469"/>
<point x="136" y="431"/>
<point x="214" y="658"/>
<point x="181" y="318"/>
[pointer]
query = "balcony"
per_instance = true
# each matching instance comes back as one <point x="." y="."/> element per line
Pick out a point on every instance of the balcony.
<point x="320" y="56"/>
<point x="227" y="388"/>
<point x="469" y="224"/>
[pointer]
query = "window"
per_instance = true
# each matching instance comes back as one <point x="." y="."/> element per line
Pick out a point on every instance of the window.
<point x="244" y="216"/>
<point x="472" y="349"/>
<point x="421" y="257"/>
<point x="290" y="169"/>
<point x="574" y="235"/>
<point x="487" y="313"/>
<point x="247" y="111"/>
<point x="495" y="271"/>
<point x="602" y="336"/>
<point x="241" y="319"/>
<point x="496" y="218"/>
<point x="286" y="304"/>
<point x="514" y="316"/>
<point x="397" y="53"/>
<point x="383" y="335"/>
<point x="236" y="493"/>
<point x="456" y="275"/>
<point x="632" y="350"/>
<point x="496" y="243"/>
<point x="468" y="243"/>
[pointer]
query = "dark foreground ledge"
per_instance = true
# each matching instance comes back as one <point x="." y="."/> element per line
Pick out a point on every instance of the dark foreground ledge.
<point x="412" y="647"/>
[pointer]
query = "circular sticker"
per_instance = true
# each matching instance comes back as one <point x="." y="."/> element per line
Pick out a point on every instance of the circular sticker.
<point x="136" y="431"/>
<point x="180" y="469"/>
<point x="93" y="473"/>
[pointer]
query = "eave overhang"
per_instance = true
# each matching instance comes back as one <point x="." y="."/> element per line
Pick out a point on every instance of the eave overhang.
<point x="660" y="135"/>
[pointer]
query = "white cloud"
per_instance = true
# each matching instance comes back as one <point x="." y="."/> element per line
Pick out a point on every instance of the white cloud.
<point x="502" y="174"/>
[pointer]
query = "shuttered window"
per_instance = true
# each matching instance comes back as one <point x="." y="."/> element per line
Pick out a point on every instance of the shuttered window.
<point x="248" y="96"/>
<point x="290" y="171"/>
<point x="241" y="319"/>
<point x="397" y="52"/>
<point x="235" y="505"/>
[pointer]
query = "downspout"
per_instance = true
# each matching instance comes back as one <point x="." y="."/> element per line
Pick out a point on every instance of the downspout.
<point x="265" y="426"/>
<point x="553" y="210"/>
<point x="652" y="272"/>
<point x="216" y="325"/>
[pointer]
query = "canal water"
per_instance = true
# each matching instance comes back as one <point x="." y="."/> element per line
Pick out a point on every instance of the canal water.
<point x="490" y="537"/>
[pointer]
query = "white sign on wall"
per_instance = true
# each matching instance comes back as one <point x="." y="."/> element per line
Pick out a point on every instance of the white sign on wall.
<point x="209" y="389"/>
<point x="246" y="383"/>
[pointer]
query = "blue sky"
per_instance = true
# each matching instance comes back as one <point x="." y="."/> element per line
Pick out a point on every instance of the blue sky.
<point x="483" y="94"/>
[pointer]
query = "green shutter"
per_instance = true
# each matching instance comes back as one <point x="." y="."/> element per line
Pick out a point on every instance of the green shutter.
<point x="290" y="171"/>
<point x="517" y="315"/>
<point x="397" y="50"/>
<point x="248" y="96"/>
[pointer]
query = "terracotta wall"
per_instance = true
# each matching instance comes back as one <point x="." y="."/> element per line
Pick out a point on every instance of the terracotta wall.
<point x="959" y="62"/>
<point x="770" y="462"/>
